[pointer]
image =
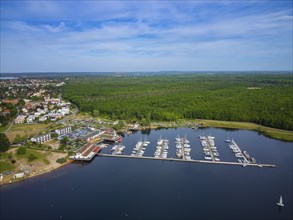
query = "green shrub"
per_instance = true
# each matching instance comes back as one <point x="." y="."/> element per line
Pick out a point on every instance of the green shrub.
<point x="61" y="160"/>
<point x="31" y="157"/>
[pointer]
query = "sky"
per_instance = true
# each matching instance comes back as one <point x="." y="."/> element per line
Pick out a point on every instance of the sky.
<point x="125" y="35"/>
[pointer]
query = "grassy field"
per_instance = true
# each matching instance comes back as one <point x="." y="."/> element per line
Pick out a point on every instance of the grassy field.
<point x="25" y="130"/>
<point x="6" y="166"/>
<point x="42" y="156"/>
<point x="270" y="132"/>
<point x="3" y="128"/>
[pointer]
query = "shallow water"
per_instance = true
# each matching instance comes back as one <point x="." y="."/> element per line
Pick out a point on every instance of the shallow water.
<point x="120" y="188"/>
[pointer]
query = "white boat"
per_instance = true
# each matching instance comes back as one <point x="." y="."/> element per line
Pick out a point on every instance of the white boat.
<point x="238" y="155"/>
<point x="201" y="137"/>
<point x="178" y="139"/>
<point x="185" y="140"/>
<point x="178" y="146"/>
<point x="211" y="137"/>
<point x="160" y="141"/>
<point x="146" y="143"/>
<point x="114" y="148"/>
<point x="228" y="139"/>
<point x="138" y="144"/>
<point x="207" y="158"/>
<point x="280" y="203"/>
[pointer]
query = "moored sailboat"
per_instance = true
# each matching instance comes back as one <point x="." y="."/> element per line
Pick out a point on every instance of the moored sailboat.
<point x="280" y="203"/>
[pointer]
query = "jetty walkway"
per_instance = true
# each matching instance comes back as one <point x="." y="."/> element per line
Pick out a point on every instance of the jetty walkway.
<point x="189" y="161"/>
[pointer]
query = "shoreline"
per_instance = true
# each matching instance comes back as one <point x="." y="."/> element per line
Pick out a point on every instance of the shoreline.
<point x="267" y="131"/>
<point x="275" y="133"/>
<point x="34" y="174"/>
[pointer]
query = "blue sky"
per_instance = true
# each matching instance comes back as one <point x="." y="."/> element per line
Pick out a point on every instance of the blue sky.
<point x="125" y="35"/>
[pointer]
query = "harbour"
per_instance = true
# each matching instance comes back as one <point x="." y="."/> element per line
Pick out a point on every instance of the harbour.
<point x="183" y="150"/>
<point x="184" y="184"/>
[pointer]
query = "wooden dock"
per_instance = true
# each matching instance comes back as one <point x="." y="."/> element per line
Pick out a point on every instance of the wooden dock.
<point x="190" y="161"/>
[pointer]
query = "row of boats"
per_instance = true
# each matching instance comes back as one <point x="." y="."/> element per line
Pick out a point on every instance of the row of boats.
<point x="209" y="148"/>
<point x="183" y="148"/>
<point x="162" y="148"/>
<point x="139" y="148"/>
<point x="117" y="149"/>
<point x="242" y="156"/>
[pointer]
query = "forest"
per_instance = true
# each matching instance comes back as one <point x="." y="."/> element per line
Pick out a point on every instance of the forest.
<point x="265" y="99"/>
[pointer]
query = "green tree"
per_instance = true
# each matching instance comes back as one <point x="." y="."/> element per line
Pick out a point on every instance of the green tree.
<point x="54" y="135"/>
<point x="21" y="150"/>
<point x="96" y="113"/>
<point x="64" y="141"/>
<point x="21" y="102"/>
<point x="4" y="142"/>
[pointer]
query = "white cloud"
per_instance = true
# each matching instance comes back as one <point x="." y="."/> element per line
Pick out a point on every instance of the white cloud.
<point x="163" y="35"/>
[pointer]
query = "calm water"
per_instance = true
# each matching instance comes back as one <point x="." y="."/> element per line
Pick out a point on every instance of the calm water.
<point x="118" y="188"/>
<point x="7" y="77"/>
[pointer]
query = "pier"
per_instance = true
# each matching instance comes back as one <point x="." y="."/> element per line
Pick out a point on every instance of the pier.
<point x="209" y="144"/>
<point x="187" y="161"/>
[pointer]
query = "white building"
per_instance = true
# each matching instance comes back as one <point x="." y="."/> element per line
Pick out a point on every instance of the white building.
<point x="30" y="119"/>
<point x="41" y="138"/>
<point x="37" y="114"/>
<point x="44" y="118"/>
<point x="62" y="131"/>
<point x="20" y="119"/>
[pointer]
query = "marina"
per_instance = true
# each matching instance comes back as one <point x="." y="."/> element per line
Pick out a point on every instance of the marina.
<point x="182" y="149"/>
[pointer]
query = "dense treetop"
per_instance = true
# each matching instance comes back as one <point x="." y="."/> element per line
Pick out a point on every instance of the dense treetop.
<point x="261" y="98"/>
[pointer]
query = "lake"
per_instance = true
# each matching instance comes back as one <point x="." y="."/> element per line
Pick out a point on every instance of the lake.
<point x="7" y="77"/>
<point x="121" y="188"/>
